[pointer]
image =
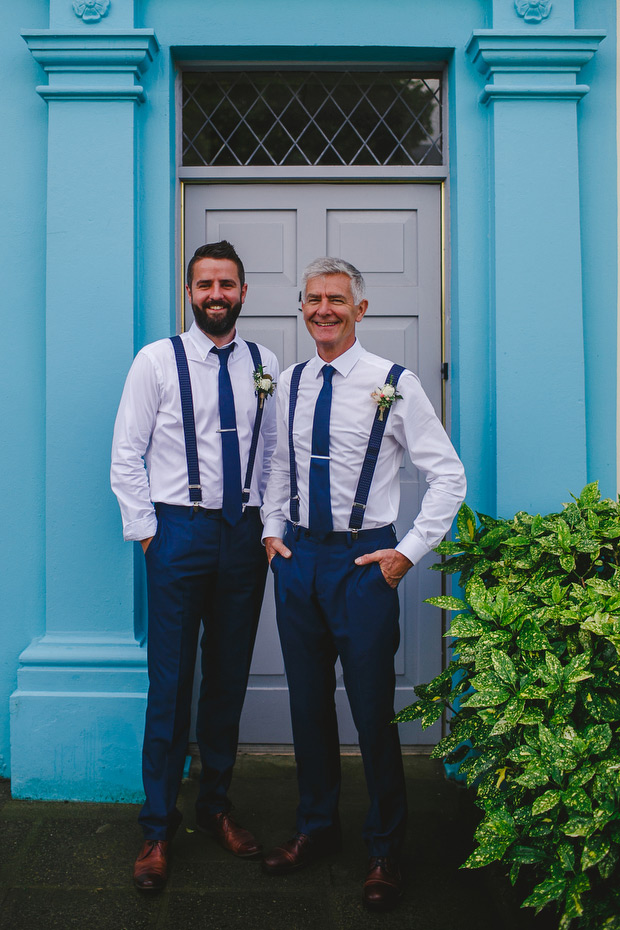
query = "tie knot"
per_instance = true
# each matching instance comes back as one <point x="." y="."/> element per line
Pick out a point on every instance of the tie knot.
<point x="223" y="354"/>
<point x="328" y="373"/>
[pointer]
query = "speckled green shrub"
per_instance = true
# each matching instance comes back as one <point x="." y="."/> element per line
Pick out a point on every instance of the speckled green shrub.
<point x="534" y="688"/>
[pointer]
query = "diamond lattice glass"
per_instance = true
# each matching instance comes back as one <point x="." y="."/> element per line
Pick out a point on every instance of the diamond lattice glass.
<point x="311" y="118"/>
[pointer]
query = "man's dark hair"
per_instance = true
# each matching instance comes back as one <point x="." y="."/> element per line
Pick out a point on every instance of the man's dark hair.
<point x="220" y="249"/>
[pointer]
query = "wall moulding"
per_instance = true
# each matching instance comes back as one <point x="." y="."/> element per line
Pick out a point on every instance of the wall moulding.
<point x="536" y="66"/>
<point x="110" y="55"/>
<point x="493" y="53"/>
<point x="533" y="92"/>
<point x="96" y="92"/>
<point x="84" y="651"/>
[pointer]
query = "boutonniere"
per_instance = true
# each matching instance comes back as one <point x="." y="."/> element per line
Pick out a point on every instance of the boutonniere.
<point x="385" y="396"/>
<point x="263" y="384"/>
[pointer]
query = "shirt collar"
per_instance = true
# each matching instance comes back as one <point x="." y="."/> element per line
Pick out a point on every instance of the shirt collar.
<point x="203" y="343"/>
<point x="343" y="363"/>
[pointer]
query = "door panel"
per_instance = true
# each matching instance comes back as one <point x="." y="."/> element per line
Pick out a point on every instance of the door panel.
<point x="381" y="241"/>
<point x="391" y="232"/>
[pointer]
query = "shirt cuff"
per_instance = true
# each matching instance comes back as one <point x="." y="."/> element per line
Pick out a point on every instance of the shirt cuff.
<point x="140" y="529"/>
<point x="275" y="526"/>
<point x="412" y="547"/>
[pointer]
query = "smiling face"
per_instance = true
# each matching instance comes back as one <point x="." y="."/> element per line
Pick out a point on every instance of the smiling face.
<point x="216" y="297"/>
<point x="330" y="314"/>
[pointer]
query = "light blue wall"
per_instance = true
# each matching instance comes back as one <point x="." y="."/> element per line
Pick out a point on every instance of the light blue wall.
<point x="599" y="214"/>
<point x="22" y="373"/>
<point x="111" y="286"/>
<point x="347" y="23"/>
<point x="472" y="382"/>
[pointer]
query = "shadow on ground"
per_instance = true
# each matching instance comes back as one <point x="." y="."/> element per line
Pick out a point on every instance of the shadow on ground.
<point x="68" y="865"/>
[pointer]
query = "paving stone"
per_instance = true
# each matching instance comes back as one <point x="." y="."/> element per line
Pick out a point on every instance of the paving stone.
<point x="66" y="909"/>
<point x="260" y="910"/>
<point x="69" y="810"/>
<point x="5" y="790"/>
<point x="16" y="837"/>
<point x="82" y="853"/>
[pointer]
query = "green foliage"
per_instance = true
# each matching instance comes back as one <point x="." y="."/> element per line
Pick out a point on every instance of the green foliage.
<point x="534" y="690"/>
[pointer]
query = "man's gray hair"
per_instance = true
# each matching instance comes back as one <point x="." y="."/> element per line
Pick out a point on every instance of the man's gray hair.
<point x="327" y="265"/>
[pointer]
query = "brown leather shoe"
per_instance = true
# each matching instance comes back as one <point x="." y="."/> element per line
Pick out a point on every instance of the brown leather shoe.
<point x="383" y="885"/>
<point x="229" y="834"/>
<point x="150" y="869"/>
<point x="299" y="852"/>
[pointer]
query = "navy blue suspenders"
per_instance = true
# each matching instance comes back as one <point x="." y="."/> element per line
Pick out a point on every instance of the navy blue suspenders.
<point x="245" y="496"/>
<point x="372" y="454"/>
<point x="189" y="424"/>
<point x="294" y="505"/>
<point x="370" y="459"/>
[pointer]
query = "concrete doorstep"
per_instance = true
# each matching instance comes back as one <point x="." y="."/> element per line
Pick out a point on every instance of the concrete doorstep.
<point x="69" y="865"/>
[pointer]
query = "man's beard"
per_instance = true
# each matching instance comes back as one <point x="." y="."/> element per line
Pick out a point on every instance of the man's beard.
<point x="222" y="323"/>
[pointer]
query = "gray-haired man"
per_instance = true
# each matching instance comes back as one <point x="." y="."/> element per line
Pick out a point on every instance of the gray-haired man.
<point x="329" y="507"/>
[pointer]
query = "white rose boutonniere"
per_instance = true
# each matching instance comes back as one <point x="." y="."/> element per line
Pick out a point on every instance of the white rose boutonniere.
<point x="385" y="396"/>
<point x="264" y="385"/>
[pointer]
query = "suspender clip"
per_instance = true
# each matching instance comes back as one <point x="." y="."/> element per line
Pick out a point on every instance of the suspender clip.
<point x="293" y="505"/>
<point x="354" y="535"/>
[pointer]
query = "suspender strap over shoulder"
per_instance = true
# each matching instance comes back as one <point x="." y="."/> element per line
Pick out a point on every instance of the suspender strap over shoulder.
<point x="245" y="496"/>
<point x="189" y="423"/>
<point x="294" y="502"/>
<point x="370" y="459"/>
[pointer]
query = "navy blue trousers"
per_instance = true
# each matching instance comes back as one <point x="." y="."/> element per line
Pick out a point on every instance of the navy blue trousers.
<point x="198" y="569"/>
<point x="328" y="607"/>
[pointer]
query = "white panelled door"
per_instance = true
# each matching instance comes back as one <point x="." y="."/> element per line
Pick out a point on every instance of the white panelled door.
<point x="391" y="232"/>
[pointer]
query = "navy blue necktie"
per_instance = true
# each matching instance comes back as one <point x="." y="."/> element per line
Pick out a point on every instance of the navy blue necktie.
<point x="231" y="465"/>
<point x="320" y="520"/>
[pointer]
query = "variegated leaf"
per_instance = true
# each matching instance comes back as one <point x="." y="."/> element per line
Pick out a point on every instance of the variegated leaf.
<point x="447" y="602"/>
<point x="546" y="802"/>
<point x="595" y="849"/>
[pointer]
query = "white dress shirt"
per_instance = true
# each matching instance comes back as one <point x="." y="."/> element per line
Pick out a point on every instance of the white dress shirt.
<point x="411" y="426"/>
<point x="149" y="429"/>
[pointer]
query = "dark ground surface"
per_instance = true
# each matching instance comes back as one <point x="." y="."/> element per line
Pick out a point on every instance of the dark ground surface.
<point x="68" y="865"/>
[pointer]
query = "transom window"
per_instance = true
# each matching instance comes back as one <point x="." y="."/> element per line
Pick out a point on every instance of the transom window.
<point x="311" y="118"/>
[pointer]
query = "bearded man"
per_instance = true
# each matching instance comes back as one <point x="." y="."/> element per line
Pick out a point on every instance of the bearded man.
<point x="196" y="417"/>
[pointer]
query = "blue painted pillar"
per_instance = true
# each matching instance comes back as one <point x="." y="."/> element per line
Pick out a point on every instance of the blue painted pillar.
<point x="536" y="325"/>
<point x="78" y="712"/>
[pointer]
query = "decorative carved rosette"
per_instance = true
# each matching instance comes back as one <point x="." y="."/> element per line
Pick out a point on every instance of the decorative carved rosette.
<point x="91" y="11"/>
<point x="533" y="11"/>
